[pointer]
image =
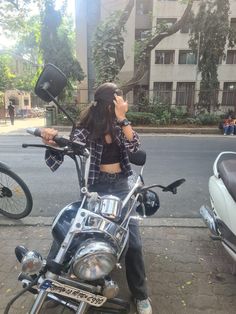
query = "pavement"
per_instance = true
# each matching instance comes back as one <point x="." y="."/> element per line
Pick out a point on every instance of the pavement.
<point x="188" y="272"/>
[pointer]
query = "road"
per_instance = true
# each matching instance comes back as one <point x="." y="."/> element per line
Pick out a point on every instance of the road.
<point x="168" y="158"/>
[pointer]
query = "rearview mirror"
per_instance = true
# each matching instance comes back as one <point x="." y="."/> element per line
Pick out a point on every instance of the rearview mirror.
<point x="138" y="158"/>
<point x="50" y="83"/>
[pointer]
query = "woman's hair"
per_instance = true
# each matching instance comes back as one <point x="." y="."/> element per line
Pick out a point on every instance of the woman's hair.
<point x="100" y="116"/>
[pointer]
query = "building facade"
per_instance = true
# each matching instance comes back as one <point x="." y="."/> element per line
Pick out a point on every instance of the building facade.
<point x="20" y="99"/>
<point x="173" y="77"/>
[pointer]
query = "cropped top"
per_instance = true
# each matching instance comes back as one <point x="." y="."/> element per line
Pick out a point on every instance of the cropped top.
<point x="110" y="153"/>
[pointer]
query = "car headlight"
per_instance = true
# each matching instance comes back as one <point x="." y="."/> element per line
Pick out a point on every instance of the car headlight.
<point x="94" y="260"/>
<point x="32" y="263"/>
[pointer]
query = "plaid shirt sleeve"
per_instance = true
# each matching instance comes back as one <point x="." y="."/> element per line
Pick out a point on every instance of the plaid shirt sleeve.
<point x="80" y="135"/>
<point x="55" y="159"/>
<point x="132" y="145"/>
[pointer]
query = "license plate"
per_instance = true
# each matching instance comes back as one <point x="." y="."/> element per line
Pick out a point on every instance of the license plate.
<point x="77" y="294"/>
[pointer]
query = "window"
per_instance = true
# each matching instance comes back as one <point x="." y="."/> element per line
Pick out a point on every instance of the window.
<point x="143" y="6"/>
<point x="164" y="56"/>
<point x="231" y="57"/>
<point x="165" y="23"/>
<point x="187" y="57"/>
<point x="233" y="23"/>
<point x="229" y="94"/>
<point x="141" y="34"/>
<point x="162" y="91"/>
<point x="185" y="93"/>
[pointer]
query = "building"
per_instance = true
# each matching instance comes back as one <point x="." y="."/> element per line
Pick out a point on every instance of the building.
<point x="20" y="99"/>
<point x="173" y="77"/>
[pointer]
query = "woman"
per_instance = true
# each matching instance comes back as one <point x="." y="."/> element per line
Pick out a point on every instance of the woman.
<point x="109" y="135"/>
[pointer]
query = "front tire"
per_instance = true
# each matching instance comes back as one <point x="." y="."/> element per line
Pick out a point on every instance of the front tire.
<point x="15" y="198"/>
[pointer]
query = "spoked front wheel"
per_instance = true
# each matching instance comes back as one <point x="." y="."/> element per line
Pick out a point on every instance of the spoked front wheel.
<point x="15" y="198"/>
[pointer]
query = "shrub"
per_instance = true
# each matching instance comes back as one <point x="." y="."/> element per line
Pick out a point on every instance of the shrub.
<point x="208" y="119"/>
<point x="72" y="110"/>
<point x="141" y="118"/>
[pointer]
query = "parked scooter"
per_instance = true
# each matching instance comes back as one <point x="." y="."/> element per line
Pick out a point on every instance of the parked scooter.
<point x="221" y="217"/>
<point x="91" y="234"/>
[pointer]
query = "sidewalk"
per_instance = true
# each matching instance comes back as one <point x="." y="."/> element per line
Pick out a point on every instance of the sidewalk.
<point x="20" y="125"/>
<point x="187" y="272"/>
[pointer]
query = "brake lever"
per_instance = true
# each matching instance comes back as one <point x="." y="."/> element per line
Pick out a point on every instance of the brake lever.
<point x="60" y="149"/>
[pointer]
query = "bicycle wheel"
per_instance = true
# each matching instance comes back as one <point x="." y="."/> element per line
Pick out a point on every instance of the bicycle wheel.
<point x="15" y="198"/>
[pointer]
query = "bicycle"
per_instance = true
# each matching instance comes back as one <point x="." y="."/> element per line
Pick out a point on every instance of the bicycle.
<point x="15" y="198"/>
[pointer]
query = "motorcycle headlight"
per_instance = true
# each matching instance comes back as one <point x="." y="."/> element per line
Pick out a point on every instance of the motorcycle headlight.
<point x="94" y="260"/>
<point x="32" y="263"/>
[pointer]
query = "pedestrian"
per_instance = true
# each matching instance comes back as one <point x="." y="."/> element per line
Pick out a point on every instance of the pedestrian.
<point x="229" y="125"/>
<point x="11" y="112"/>
<point x="109" y="136"/>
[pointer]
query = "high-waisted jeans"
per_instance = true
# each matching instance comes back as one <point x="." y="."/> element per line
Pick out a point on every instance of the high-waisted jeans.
<point x="135" y="270"/>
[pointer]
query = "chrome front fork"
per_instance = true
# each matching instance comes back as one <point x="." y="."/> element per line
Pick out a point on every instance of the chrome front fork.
<point x="39" y="302"/>
<point x="81" y="309"/>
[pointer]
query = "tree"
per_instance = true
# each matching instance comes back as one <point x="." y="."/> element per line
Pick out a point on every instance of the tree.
<point x="56" y="44"/>
<point x="6" y="77"/>
<point x="13" y="14"/>
<point x="104" y="46"/>
<point x="209" y="35"/>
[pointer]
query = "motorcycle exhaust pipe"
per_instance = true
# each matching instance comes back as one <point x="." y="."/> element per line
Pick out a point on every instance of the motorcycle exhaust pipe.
<point x="209" y="219"/>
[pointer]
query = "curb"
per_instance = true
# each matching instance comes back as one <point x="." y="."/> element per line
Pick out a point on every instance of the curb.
<point x="160" y="130"/>
<point x="146" y="222"/>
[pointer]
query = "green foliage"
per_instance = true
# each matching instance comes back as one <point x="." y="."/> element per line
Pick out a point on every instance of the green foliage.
<point x="1" y="100"/>
<point x="13" y="15"/>
<point x="28" y="42"/>
<point x="25" y="81"/>
<point x="108" y="49"/>
<point x="73" y="111"/>
<point x="209" y="35"/>
<point x="141" y="45"/>
<point x="141" y="118"/>
<point x="153" y="112"/>
<point x="6" y="77"/>
<point x="208" y="119"/>
<point x="56" y="44"/>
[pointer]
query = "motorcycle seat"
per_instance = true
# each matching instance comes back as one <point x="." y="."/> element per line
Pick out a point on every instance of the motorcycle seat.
<point x="227" y="172"/>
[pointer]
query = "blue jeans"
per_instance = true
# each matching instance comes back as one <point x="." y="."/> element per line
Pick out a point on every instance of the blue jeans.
<point x="228" y="129"/>
<point x="135" y="270"/>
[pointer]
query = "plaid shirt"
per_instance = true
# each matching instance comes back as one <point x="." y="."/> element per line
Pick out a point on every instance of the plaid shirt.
<point x="55" y="159"/>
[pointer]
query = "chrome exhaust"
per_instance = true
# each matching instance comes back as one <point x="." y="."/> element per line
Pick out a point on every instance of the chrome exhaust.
<point x="209" y="219"/>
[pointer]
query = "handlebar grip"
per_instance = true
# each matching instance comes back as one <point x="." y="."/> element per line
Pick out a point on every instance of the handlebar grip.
<point x="34" y="131"/>
<point x="61" y="141"/>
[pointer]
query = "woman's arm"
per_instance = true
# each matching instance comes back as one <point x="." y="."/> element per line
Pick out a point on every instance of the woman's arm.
<point x="55" y="159"/>
<point x="131" y="138"/>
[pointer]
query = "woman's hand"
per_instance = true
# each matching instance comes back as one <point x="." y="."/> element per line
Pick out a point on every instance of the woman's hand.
<point x="48" y="136"/>
<point x="121" y="107"/>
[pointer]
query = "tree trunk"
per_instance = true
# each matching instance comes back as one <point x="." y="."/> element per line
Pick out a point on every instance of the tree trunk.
<point x="143" y="67"/>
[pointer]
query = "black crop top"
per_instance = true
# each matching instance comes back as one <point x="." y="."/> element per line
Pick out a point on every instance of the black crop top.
<point x="110" y="154"/>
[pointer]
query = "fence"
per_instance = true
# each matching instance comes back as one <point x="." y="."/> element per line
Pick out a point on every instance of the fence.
<point x="188" y="97"/>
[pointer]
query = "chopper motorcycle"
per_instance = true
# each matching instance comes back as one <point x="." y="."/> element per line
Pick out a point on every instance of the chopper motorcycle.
<point x="221" y="217"/>
<point x="91" y="234"/>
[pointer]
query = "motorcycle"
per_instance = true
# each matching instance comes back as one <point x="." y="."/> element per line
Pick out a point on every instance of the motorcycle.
<point x="91" y="234"/>
<point x="221" y="217"/>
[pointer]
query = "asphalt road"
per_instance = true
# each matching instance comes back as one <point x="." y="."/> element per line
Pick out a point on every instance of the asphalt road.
<point x="168" y="158"/>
